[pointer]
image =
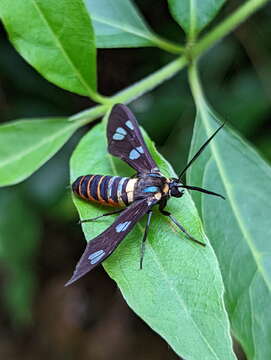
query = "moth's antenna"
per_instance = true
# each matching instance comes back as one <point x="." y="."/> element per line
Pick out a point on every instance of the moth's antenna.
<point x="201" y="190"/>
<point x="199" y="151"/>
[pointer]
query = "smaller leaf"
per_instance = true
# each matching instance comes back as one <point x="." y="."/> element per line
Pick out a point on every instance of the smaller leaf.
<point x="118" y="23"/>
<point x="194" y="15"/>
<point x="58" y="41"/>
<point x="28" y="144"/>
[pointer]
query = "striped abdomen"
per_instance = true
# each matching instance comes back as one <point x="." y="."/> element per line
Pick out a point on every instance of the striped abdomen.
<point x="107" y="190"/>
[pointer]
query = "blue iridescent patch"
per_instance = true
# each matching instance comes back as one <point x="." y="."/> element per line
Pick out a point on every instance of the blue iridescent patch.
<point x="140" y="149"/>
<point x="154" y="175"/>
<point x="151" y="189"/>
<point x="122" y="226"/>
<point x="96" y="256"/>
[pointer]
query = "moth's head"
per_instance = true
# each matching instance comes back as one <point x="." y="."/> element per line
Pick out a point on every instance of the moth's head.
<point x="174" y="188"/>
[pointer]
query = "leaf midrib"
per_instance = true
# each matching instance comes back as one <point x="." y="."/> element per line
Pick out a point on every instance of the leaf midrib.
<point x="164" y="273"/>
<point x="62" y="49"/>
<point x="230" y="196"/>
<point x="128" y="29"/>
<point x="26" y="152"/>
<point x="193" y="18"/>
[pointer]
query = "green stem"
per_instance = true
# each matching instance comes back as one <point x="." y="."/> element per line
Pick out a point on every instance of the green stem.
<point x="151" y="81"/>
<point x="167" y="46"/>
<point x="193" y="19"/>
<point x="226" y="26"/>
<point x="193" y="52"/>
<point x="87" y="116"/>
<point x="133" y="92"/>
<point x="195" y="85"/>
<point x="202" y="107"/>
<point x="99" y="98"/>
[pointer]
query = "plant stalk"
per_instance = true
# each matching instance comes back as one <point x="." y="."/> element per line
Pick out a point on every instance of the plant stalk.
<point x="226" y="26"/>
<point x="163" y="74"/>
<point x="133" y="91"/>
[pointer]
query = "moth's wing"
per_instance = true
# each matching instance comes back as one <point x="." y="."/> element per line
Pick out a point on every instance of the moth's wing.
<point x="126" y="141"/>
<point x="98" y="249"/>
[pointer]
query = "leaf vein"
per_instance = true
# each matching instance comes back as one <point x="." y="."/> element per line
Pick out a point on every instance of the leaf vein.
<point x="62" y="49"/>
<point x="35" y="147"/>
<point x="128" y="29"/>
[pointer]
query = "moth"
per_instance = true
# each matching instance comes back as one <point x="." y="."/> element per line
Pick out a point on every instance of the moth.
<point x="135" y="196"/>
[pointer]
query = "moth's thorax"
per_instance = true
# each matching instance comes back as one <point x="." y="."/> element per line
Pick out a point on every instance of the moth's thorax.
<point x="153" y="184"/>
<point x="157" y="185"/>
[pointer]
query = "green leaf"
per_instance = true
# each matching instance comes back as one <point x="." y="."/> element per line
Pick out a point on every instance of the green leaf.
<point x="28" y="144"/>
<point x="179" y="292"/>
<point x="118" y="23"/>
<point x="194" y="15"/>
<point x="56" y="38"/>
<point x="19" y="241"/>
<point x="239" y="228"/>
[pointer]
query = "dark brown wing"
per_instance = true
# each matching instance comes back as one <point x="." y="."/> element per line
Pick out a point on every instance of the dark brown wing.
<point x="125" y="140"/>
<point x="98" y="249"/>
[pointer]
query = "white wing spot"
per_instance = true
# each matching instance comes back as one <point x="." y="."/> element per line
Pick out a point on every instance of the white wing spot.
<point x="119" y="134"/>
<point x="122" y="226"/>
<point x="96" y="256"/>
<point x="134" y="154"/>
<point x="140" y="149"/>
<point x="120" y="130"/>
<point x="129" y="125"/>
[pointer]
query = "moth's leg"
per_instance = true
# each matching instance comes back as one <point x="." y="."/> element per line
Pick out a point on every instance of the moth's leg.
<point x="172" y="218"/>
<point x="98" y="217"/>
<point x="144" y="238"/>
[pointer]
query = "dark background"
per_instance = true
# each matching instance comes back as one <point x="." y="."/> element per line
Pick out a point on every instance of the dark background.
<point x="40" y="240"/>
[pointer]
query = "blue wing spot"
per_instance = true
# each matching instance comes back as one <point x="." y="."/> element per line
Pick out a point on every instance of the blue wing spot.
<point x="151" y="189"/>
<point x="120" y="130"/>
<point x="122" y="226"/>
<point x="129" y="124"/>
<point x="140" y="149"/>
<point x="134" y="154"/>
<point x="117" y="136"/>
<point x="96" y="256"/>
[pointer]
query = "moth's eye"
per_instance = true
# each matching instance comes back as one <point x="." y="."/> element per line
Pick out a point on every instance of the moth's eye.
<point x="176" y="192"/>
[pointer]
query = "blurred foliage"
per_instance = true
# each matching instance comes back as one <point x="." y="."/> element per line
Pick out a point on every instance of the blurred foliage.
<point x="19" y="244"/>
<point x="235" y="74"/>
